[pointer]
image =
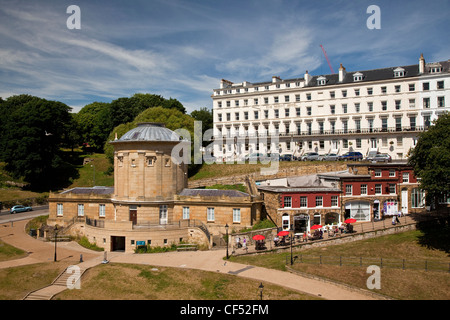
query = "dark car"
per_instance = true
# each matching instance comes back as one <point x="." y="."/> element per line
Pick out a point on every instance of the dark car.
<point x="286" y="157"/>
<point x="19" y="208"/>
<point x="351" y="155"/>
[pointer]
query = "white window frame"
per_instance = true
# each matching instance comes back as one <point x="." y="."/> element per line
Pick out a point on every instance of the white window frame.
<point x="287" y="202"/>
<point x="59" y="209"/>
<point x="101" y="210"/>
<point x="303" y="202"/>
<point x="364" y="189"/>
<point x="210" y="214"/>
<point x="236" y="215"/>
<point x="334" y="201"/>
<point x="186" y="213"/>
<point x="405" y="177"/>
<point x="80" y="210"/>
<point x="319" y="201"/>
<point x="378" y="189"/>
<point x="348" y="189"/>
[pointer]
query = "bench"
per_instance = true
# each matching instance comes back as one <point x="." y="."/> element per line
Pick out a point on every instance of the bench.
<point x="187" y="247"/>
<point x="59" y="239"/>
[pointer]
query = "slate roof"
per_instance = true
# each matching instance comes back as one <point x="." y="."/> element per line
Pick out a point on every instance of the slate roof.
<point x="368" y="75"/>
<point x="213" y="193"/>
<point x="93" y="190"/>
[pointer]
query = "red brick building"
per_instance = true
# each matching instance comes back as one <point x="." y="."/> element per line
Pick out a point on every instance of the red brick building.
<point x="365" y="192"/>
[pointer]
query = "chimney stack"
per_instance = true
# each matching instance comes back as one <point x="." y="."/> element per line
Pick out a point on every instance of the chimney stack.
<point x="307" y="78"/>
<point x="341" y="73"/>
<point x="421" y="64"/>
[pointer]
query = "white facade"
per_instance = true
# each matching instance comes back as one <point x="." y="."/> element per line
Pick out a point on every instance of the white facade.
<point x="380" y="110"/>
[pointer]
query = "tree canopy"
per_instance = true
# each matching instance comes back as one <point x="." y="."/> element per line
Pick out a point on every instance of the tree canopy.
<point x="98" y="119"/>
<point x="431" y="158"/>
<point x="32" y="131"/>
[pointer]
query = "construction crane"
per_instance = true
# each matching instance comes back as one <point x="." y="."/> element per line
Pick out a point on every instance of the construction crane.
<point x="326" y="57"/>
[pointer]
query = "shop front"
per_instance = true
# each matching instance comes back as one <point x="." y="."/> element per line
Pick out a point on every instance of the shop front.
<point x="301" y="223"/>
<point x="359" y="210"/>
<point x="390" y="207"/>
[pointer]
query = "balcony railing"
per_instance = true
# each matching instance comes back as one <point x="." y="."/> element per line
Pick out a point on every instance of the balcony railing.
<point x="336" y="132"/>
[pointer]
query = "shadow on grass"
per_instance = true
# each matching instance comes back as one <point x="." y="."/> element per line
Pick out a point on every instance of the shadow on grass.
<point x="436" y="234"/>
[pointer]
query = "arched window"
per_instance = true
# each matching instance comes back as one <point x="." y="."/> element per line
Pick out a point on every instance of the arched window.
<point x="417" y="198"/>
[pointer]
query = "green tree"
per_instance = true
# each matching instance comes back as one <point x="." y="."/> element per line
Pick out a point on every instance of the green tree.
<point x="94" y="123"/>
<point x="32" y="132"/>
<point x="98" y="119"/>
<point x="204" y="115"/>
<point x="431" y="158"/>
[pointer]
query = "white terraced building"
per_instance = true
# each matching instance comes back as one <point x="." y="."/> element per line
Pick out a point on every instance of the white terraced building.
<point x="381" y="110"/>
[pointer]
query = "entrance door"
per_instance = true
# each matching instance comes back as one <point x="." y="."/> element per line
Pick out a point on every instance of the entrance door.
<point x="133" y="214"/>
<point x="163" y="214"/>
<point x="405" y="201"/>
<point x="117" y="243"/>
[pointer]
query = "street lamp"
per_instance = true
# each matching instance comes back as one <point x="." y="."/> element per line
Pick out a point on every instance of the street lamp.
<point x="56" y="240"/>
<point x="261" y="288"/>
<point x="226" y="229"/>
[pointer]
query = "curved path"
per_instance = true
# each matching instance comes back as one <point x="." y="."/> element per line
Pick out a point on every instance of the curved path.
<point x="212" y="260"/>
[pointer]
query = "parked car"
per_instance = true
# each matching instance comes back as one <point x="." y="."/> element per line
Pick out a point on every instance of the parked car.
<point x="286" y="157"/>
<point x="382" y="157"/>
<point x="19" y="208"/>
<point x="371" y="155"/>
<point x="309" y="156"/>
<point x="351" y="155"/>
<point x="258" y="157"/>
<point x="329" y="157"/>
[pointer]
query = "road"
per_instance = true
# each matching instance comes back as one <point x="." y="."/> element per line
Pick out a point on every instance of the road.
<point x="5" y="216"/>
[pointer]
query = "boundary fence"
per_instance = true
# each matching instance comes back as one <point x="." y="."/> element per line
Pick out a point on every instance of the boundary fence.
<point x="404" y="264"/>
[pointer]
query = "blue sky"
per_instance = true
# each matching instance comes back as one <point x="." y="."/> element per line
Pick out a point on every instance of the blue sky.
<point x="181" y="49"/>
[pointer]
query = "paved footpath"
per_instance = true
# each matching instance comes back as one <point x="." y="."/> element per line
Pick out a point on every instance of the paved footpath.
<point x="211" y="260"/>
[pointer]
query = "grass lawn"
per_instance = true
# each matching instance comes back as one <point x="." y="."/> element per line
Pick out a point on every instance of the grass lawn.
<point x="137" y="282"/>
<point x="396" y="283"/>
<point x="8" y="252"/>
<point x="16" y="282"/>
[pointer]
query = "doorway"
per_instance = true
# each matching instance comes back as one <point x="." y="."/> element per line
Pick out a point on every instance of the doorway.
<point x="133" y="214"/>
<point x="117" y="243"/>
<point x="405" y="201"/>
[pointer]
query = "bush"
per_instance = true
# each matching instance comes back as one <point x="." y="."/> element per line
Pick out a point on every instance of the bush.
<point x="158" y="249"/>
<point x="84" y="242"/>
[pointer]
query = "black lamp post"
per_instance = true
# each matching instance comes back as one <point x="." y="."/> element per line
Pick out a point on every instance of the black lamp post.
<point x="290" y="237"/>
<point x="261" y="288"/>
<point x="56" y="240"/>
<point x="226" y="229"/>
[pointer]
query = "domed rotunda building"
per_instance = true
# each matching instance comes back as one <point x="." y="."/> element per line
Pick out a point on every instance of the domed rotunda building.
<point x="150" y="203"/>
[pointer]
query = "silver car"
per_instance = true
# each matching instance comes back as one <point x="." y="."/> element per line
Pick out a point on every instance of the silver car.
<point x="329" y="157"/>
<point x="382" y="157"/>
<point x="309" y="156"/>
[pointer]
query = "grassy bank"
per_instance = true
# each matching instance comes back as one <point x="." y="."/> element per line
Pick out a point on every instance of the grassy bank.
<point x="397" y="283"/>
<point x="127" y="281"/>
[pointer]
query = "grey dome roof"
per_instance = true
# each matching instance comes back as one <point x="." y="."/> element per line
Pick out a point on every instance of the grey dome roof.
<point x="150" y="132"/>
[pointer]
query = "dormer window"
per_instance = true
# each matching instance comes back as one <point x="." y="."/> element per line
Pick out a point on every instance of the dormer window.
<point x="358" y="76"/>
<point x="321" y="81"/>
<point x="399" y="72"/>
<point x="435" y="69"/>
